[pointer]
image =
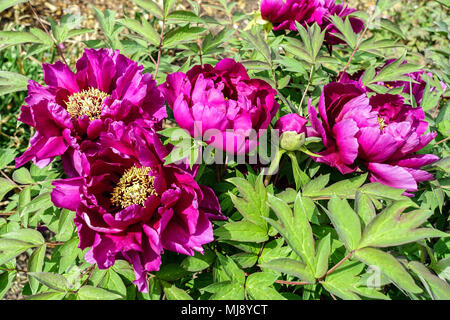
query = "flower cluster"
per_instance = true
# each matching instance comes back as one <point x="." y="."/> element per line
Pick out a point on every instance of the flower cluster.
<point x="102" y="121"/>
<point x="284" y="15"/>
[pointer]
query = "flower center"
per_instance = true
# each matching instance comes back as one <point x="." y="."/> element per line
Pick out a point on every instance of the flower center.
<point x="86" y="103"/>
<point x="381" y="123"/>
<point x="134" y="187"/>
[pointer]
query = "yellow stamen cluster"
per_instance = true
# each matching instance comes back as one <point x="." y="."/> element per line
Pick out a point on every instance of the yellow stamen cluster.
<point x="381" y="123"/>
<point x="134" y="187"/>
<point x="86" y="103"/>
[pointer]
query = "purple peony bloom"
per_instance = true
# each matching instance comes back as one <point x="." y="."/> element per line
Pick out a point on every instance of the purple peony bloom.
<point x="284" y="15"/>
<point x="380" y="132"/>
<point x="291" y="122"/>
<point x="221" y="104"/>
<point x="74" y="108"/>
<point x="131" y="206"/>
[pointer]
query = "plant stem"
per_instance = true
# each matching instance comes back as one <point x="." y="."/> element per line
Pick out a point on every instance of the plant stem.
<point x="306" y="90"/>
<point x="358" y="44"/>
<point x="337" y="265"/>
<point x="161" y="41"/>
<point x="295" y="283"/>
<point x="50" y="34"/>
<point x="10" y="180"/>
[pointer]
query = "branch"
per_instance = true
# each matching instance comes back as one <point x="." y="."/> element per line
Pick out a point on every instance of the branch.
<point x="50" y="34"/>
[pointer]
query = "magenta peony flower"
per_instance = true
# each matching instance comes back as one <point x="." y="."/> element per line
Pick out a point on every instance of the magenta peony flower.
<point x="71" y="112"/>
<point x="380" y="132"/>
<point x="131" y="206"/>
<point x="291" y="122"/>
<point x="221" y="104"/>
<point x="416" y="87"/>
<point x="284" y="15"/>
<point x="292" y="131"/>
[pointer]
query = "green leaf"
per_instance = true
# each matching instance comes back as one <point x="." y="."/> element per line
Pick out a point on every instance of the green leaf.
<point x="17" y="37"/>
<point x="258" y="286"/>
<point x="170" y="272"/>
<point x="345" y="221"/>
<point x="344" y="282"/>
<point x="300" y="177"/>
<point x="50" y="295"/>
<point x="151" y="7"/>
<point x="364" y="208"/>
<point x="5" y="4"/>
<point x="168" y="4"/>
<point x="440" y="289"/>
<point x="6" y="282"/>
<point x="231" y="269"/>
<point x="323" y="253"/>
<point x="188" y="16"/>
<point x="41" y="202"/>
<point x="198" y="261"/>
<point x="182" y="34"/>
<point x="345" y="188"/>
<point x="316" y="184"/>
<point x="243" y="231"/>
<point x="6" y="155"/>
<point x="144" y="29"/>
<point x="388" y="265"/>
<point x="294" y="227"/>
<point x="226" y="290"/>
<point x="93" y="293"/>
<point x="28" y="235"/>
<point x="290" y="267"/>
<point x="252" y="205"/>
<point x="35" y="264"/>
<point x="113" y="283"/>
<point x="22" y="176"/>
<point x="382" y="191"/>
<point x="393" y="227"/>
<point x="52" y="280"/>
<point x="174" y="293"/>
<point x="5" y="187"/>
<point x="11" y="248"/>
